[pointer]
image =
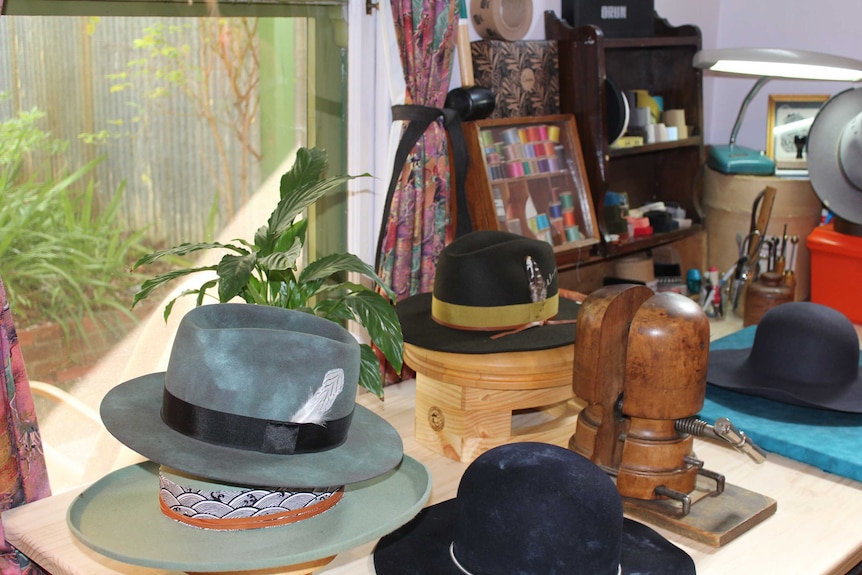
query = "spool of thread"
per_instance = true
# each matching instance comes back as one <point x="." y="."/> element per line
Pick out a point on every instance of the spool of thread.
<point x="553" y="133"/>
<point x="515" y="169"/>
<point x="573" y="234"/>
<point x="510" y="136"/>
<point x="555" y="209"/>
<point x="542" y="222"/>
<point x="569" y="216"/>
<point x="566" y="199"/>
<point x="558" y="230"/>
<point x="543" y="132"/>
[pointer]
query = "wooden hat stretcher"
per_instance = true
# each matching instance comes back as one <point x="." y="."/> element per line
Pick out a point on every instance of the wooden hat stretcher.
<point x="640" y="364"/>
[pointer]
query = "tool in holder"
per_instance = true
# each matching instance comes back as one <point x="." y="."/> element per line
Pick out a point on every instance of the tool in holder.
<point x="640" y="364"/>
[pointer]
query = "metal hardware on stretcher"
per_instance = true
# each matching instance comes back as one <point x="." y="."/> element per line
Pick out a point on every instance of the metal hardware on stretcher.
<point x="722" y="429"/>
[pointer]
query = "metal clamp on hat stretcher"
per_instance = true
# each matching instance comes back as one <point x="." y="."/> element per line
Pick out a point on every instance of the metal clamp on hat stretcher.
<point x="640" y="363"/>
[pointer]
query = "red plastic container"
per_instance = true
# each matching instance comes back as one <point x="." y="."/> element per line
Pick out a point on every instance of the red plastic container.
<point x="836" y="271"/>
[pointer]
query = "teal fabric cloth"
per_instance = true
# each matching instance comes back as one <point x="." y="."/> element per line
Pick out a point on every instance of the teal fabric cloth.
<point x="826" y="439"/>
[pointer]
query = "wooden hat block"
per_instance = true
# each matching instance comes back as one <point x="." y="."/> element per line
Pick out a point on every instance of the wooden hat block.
<point x="467" y="404"/>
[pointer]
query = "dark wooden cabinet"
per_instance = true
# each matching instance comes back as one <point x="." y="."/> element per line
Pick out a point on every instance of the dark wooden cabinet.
<point x="662" y="65"/>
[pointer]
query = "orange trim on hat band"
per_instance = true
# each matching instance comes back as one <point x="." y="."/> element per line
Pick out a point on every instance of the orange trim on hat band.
<point x="243" y="523"/>
<point x="493" y="318"/>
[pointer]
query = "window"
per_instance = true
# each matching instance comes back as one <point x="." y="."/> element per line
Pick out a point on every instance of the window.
<point x="190" y="115"/>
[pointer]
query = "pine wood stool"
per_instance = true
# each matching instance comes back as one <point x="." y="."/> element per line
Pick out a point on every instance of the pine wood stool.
<point x="468" y="403"/>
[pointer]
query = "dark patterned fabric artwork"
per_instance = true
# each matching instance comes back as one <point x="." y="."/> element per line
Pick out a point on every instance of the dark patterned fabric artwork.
<point x="523" y="76"/>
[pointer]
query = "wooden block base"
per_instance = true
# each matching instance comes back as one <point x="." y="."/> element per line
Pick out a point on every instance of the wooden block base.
<point x="714" y="519"/>
<point x="467" y="404"/>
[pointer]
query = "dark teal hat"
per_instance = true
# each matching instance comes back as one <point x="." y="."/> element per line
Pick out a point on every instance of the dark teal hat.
<point x="490" y="283"/>
<point x="256" y="395"/>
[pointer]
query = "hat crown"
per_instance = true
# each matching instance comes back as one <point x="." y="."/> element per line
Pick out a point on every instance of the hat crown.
<point x="807" y="343"/>
<point x="260" y="361"/>
<point x="513" y="501"/>
<point x="488" y="268"/>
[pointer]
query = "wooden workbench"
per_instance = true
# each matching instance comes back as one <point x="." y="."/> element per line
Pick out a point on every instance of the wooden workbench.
<point x="816" y="529"/>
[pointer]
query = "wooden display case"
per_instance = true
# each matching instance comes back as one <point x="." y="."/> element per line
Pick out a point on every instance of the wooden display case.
<point x="527" y="176"/>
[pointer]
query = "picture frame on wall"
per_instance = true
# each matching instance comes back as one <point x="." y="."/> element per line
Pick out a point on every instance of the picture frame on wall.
<point x="788" y="120"/>
<point x="527" y="176"/>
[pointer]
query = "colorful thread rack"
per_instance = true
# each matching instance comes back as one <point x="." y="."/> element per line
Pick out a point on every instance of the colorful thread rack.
<point x="524" y="151"/>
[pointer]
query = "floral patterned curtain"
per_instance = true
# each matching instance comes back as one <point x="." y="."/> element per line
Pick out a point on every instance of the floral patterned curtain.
<point x="23" y="476"/>
<point x="415" y="222"/>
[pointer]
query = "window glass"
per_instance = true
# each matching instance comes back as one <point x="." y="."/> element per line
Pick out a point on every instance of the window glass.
<point x="170" y="125"/>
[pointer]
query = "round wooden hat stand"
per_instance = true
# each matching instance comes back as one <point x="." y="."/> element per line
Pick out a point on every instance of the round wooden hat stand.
<point x="467" y="404"/>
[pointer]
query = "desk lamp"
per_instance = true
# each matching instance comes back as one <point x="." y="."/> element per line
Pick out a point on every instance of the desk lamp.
<point x="766" y="63"/>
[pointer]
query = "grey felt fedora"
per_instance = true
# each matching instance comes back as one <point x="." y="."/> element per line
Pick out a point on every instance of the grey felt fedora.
<point x="835" y="154"/>
<point x="256" y="395"/>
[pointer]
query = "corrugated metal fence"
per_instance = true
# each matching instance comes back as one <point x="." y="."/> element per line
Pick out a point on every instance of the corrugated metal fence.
<point x="71" y="67"/>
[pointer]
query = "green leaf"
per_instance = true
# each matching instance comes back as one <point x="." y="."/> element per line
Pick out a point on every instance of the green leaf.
<point x="308" y="166"/>
<point x="282" y="260"/>
<point x="183" y="249"/>
<point x="370" y="372"/>
<point x="336" y="310"/>
<point x="378" y="316"/>
<point x="234" y="273"/>
<point x="157" y="281"/>
<point x="326" y="266"/>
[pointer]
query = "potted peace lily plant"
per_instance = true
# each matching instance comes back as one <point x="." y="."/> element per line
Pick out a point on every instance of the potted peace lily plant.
<point x="264" y="271"/>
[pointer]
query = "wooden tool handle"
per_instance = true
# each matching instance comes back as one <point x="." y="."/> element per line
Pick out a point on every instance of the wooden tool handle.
<point x="465" y="57"/>
<point x="763" y="216"/>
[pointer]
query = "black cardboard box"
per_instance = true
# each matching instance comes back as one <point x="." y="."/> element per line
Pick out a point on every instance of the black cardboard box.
<point x="523" y="75"/>
<point x="616" y="18"/>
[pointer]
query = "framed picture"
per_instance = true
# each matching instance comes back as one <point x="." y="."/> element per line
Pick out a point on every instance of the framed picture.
<point x="787" y="123"/>
<point x="527" y="175"/>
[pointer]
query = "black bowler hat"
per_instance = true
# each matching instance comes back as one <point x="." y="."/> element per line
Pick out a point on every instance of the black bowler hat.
<point x="529" y="509"/>
<point x="803" y="353"/>
<point x="489" y="283"/>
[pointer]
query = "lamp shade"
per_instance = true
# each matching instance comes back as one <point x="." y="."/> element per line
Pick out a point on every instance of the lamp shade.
<point x="780" y="63"/>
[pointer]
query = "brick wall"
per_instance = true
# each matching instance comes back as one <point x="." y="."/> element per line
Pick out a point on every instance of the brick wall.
<point x="52" y="356"/>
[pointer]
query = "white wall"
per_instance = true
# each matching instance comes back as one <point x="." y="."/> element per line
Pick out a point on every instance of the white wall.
<point x="830" y="26"/>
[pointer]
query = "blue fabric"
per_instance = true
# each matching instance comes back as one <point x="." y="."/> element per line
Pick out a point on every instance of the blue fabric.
<point x="826" y="439"/>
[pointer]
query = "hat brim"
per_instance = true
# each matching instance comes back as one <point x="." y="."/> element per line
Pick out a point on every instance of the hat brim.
<point x="421" y="547"/>
<point x="131" y="412"/>
<point x="824" y="164"/>
<point x="729" y="368"/>
<point x="119" y="517"/>
<point x="421" y="330"/>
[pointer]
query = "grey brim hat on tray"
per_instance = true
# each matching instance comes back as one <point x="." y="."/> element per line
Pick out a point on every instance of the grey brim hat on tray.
<point x="803" y="353"/>
<point x="529" y="509"/>
<point x="493" y="292"/>
<point x="254" y="424"/>
<point x="229" y="405"/>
